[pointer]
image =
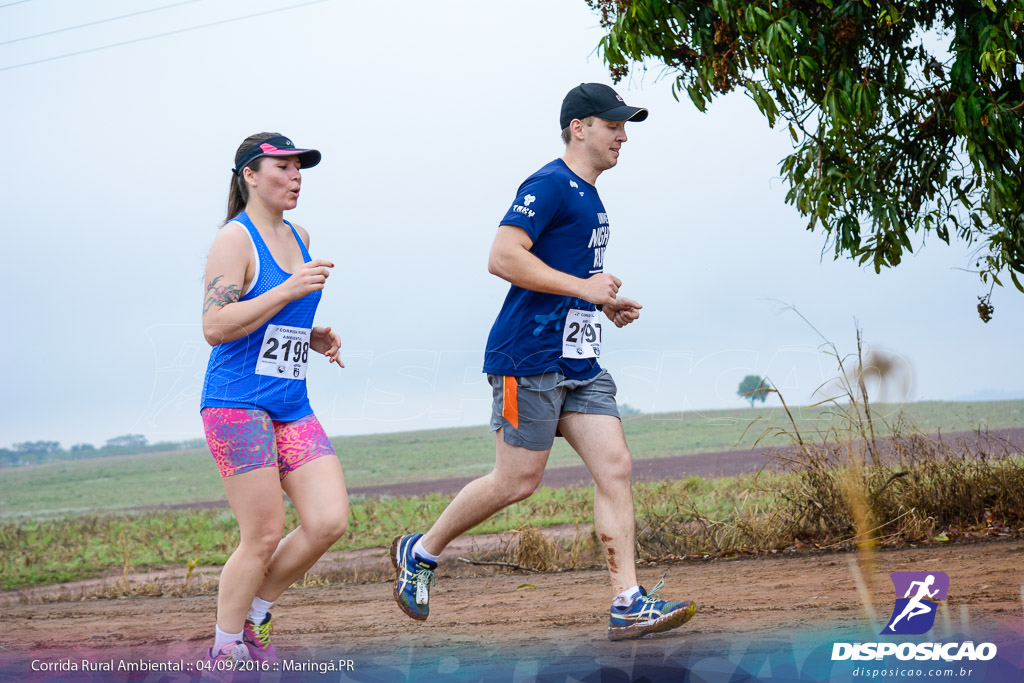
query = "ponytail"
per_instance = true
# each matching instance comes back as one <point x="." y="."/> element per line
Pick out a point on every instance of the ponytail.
<point x="238" y="192"/>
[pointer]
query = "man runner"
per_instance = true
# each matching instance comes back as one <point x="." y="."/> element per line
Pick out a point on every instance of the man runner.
<point x="542" y="363"/>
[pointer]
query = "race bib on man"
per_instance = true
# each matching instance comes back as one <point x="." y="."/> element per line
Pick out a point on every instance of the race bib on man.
<point x="285" y="352"/>
<point x="581" y="335"/>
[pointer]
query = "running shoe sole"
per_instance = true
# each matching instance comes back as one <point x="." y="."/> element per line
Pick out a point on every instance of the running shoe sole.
<point x="663" y="623"/>
<point x="398" y="573"/>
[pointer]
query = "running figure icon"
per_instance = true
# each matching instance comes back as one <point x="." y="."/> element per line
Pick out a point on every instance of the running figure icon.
<point x="916" y="606"/>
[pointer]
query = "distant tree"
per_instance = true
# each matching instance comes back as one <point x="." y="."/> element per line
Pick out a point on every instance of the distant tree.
<point x="37" y="447"/>
<point x="79" y="447"/>
<point x="754" y="388"/>
<point x="8" y="457"/>
<point x="906" y="118"/>
<point x="128" y="441"/>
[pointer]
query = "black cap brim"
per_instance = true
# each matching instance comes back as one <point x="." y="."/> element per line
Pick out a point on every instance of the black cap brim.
<point x="623" y="113"/>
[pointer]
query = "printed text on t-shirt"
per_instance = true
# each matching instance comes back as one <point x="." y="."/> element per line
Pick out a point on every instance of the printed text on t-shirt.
<point x="599" y="241"/>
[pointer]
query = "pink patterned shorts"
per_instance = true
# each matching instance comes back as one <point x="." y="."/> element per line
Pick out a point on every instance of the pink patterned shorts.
<point x="242" y="440"/>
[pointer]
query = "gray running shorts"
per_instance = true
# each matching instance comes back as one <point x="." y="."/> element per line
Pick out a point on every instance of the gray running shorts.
<point x="527" y="409"/>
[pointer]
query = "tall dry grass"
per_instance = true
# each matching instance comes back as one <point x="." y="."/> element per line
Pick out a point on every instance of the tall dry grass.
<point x="859" y="483"/>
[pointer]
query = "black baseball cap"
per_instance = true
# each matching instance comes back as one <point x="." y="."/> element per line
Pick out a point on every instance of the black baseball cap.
<point x="597" y="99"/>
<point x="277" y="146"/>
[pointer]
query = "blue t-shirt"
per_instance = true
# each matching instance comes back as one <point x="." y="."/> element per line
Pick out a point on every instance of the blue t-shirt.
<point x="566" y="220"/>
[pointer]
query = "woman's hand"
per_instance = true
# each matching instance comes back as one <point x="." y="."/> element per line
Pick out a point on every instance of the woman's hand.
<point x="323" y="340"/>
<point x="308" y="278"/>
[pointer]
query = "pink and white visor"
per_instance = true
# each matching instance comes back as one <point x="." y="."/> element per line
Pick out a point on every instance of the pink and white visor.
<point x="278" y="146"/>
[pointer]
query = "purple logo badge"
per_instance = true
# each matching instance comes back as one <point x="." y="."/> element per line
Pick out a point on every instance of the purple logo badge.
<point x="917" y="598"/>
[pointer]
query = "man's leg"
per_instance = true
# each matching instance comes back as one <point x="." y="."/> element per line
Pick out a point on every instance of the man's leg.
<point x="517" y="473"/>
<point x="591" y="426"/>
<point x="601" y="444"/>
<point x="524" y="417"/>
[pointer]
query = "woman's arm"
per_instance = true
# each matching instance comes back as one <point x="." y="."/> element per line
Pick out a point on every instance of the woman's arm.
<point x="225" y="318"/>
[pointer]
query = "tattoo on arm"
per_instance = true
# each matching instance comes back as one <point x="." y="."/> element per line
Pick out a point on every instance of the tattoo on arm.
<point x="220" y="295"/>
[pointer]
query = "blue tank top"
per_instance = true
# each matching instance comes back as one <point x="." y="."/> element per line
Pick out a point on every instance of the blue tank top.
<point x="231" y="378"/>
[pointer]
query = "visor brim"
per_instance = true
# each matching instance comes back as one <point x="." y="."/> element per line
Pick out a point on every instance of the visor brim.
<point x="308" y="158"/>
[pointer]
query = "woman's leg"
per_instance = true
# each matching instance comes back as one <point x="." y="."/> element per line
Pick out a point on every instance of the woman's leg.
<point x="243" y="445"/>
<point x="255" y="498"/>
<point x="314" y="482"/>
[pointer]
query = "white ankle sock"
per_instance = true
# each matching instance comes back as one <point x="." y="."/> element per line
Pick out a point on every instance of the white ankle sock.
<point x="221" y="639"/>
<point x="419" y="551"/>
<point x="626" y="597"/>
<point x="258" y="610"/>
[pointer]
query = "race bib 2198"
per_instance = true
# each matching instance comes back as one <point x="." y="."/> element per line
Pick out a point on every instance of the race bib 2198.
<point x="284" y="353"/>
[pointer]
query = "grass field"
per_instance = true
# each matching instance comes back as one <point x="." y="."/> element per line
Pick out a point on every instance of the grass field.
<point x="81" y="487"/>
<point x="57" y="550"/>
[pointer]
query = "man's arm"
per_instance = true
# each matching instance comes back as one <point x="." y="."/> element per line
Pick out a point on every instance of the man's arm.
<point x="512" y="260"/>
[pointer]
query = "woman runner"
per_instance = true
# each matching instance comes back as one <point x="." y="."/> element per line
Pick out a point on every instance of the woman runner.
<point x="262" y="290"/>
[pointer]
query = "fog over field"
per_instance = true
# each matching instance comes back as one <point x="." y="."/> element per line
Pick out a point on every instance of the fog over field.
<point x="428" y="118"/>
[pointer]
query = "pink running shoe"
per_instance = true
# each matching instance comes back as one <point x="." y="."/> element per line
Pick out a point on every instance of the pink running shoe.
<point x="222" y="666"/>
<point x="257" y="639"/>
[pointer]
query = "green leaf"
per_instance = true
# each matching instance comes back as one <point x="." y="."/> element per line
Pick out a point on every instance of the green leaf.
<point x="958" y="111"/>
<point x="696" y="97"/>
<point x="1016" y="282"/>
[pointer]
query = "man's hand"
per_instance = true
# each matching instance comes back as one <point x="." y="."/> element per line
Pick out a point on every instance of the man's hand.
<point x="622" y="311"/>
<point x="600" y="289"/>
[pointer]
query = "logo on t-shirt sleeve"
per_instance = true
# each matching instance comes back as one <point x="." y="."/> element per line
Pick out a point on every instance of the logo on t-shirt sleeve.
<point x="523" y="208"/>
<point x="519" y="208"/>
<point x="535" y="206"/>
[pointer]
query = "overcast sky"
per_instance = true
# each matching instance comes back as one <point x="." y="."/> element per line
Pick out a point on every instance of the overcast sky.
<point x="428" y="115"/>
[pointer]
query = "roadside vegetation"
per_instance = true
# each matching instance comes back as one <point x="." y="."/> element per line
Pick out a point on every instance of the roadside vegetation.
<point x="47" y="551"/>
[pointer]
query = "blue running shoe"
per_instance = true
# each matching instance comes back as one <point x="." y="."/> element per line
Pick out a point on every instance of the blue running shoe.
<point x="413" y="577"/>
<point x="647" y="614"/>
